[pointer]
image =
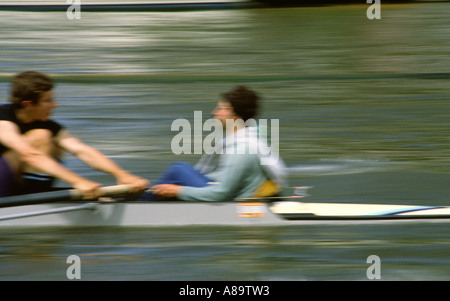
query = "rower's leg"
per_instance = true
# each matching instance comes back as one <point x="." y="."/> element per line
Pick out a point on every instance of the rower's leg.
<point x="179" y="173"/>
<point x="33" y="180"/>
<point x="6" y="178"/>
<point x="184" y="174"/>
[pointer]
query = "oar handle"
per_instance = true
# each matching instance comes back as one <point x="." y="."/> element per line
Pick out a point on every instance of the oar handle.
<point x="115" y="190"/>
<point x="104" y="191"/>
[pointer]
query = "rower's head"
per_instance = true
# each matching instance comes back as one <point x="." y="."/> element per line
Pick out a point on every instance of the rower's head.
<point x="28" y="86"/>
<point x="239" y="103"/>
<point x="32" y="91"/>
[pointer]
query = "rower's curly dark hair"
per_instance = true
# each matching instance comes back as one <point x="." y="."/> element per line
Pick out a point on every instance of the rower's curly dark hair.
<point x="245" y="102"/>
<point x="29" y="85"/>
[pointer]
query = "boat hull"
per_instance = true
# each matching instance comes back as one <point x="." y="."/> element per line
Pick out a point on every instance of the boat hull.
<point x="207" y="213"/>
<point x="138" y="214"/>
<point x="340" y="211"/>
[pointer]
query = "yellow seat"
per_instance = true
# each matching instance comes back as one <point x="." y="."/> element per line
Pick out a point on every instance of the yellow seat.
<point x="266" y="189"/>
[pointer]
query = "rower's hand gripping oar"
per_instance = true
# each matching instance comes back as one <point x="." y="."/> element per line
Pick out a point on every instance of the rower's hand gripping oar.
<point x="104" y="191"/>
<point x="59" y="195"/>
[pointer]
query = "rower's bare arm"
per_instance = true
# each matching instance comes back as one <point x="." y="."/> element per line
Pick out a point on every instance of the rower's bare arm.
<point x="27" y="154"/>
<point x="97" y="160"/>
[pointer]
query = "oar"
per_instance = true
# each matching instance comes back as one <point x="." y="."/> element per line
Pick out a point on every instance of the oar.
<point x="58" y="196"/>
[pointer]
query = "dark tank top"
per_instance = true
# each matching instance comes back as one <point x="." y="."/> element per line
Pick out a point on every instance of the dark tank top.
<point x="7" y="113"/>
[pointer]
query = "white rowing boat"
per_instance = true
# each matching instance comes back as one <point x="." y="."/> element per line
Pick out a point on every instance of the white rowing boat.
<point x="122" y="212"/>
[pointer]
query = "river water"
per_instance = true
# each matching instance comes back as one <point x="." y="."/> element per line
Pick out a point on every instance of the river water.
<point x="363" y="107"/>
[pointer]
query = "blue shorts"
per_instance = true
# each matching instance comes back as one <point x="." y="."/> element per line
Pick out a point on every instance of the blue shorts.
<point x="183" y="174"/>
<point x="31" y="182"/>
<point x="35" y="182"/>
<point x="6" y="178"/>
<point x="179" y="173"/>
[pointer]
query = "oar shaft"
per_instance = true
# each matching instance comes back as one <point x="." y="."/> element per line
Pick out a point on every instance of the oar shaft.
<point x="37" y="198"/>
<point x="58" y="196"/>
